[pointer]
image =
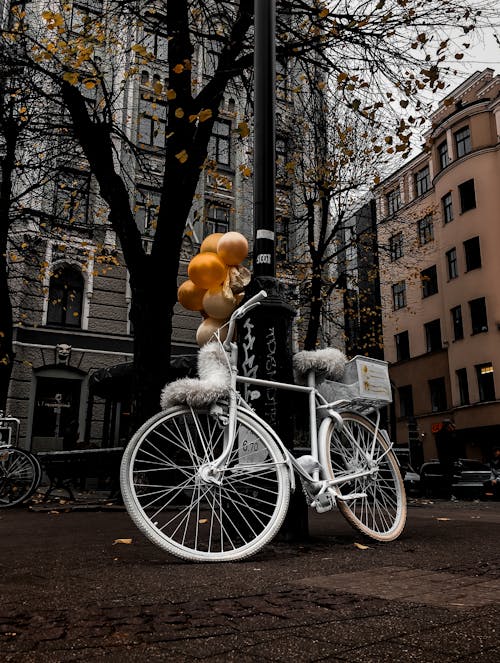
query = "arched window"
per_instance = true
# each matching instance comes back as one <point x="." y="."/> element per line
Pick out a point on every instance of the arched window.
<point x="65" y="297"/>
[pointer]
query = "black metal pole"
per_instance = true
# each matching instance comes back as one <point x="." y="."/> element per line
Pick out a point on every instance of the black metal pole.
<point x="266" y="335"/>
<point x="264" y="260"/>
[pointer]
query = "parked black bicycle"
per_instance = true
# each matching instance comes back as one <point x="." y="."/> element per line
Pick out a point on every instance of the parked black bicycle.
<point x="20" y="471"/>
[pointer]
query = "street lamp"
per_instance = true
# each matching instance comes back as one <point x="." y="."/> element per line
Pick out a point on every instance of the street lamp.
<point x="266" y="335"/>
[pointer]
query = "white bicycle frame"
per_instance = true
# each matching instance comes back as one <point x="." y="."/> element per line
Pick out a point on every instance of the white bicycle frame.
<point x="317" y="479"/>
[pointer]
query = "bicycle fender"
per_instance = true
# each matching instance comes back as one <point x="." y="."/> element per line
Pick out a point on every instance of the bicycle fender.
<point x="323" y="430"/>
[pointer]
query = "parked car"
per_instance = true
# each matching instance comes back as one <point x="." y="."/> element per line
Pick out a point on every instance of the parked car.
<point x="469" y="478"/>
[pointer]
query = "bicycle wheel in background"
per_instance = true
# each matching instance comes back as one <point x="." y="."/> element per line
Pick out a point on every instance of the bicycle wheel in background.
<point x="380" y="515"/>
<point x="171" y="497"/>
<point x="20" y="475"/>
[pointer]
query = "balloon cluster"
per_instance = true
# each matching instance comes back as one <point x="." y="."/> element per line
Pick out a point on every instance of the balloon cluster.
<point x="216" y="282"/>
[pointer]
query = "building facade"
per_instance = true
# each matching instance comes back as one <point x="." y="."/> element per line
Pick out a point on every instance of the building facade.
<point x="73" y="339"/>
<point x="439" y="230"/>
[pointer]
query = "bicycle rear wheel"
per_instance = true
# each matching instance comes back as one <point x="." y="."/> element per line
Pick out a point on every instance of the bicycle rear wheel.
<point x="19" y="476"/>
<point x="172" y="498"/>
<point x="381" y="514"/>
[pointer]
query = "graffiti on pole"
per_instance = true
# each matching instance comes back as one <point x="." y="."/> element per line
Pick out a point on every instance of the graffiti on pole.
<point x="249" y="366"/>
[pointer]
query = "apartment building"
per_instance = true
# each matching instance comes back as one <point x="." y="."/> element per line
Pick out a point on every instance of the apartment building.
<point x="439" y="232"/>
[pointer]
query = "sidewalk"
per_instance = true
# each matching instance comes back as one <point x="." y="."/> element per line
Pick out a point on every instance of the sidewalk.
<point x="70" y="592"/>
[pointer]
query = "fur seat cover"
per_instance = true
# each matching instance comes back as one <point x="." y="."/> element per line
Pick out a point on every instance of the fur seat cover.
<point x="328" y="364"/>
<point x="213" y="383"/>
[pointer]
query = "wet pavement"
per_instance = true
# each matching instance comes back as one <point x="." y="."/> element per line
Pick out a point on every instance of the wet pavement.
<point x="70" y="592"/>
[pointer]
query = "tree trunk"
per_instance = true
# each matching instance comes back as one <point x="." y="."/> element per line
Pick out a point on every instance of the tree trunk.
<point x="6" y="322"/>
<point x="6" y="348"/>
<point x="315" y="307"/>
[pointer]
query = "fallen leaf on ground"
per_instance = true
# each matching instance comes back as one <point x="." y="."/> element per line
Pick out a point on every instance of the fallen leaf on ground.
<point x="443" y="518"/>
<point x="361" y="546"/>
<point x="127" y="541"/>
<point x="203" y="521"/>
<point x="54" y="513"/>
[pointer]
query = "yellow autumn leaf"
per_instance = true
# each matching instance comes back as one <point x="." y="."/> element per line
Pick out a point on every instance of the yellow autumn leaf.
<point x="243" y="129"/>
<point x="182" y="156"/>
<point x="125" y="541"/>
<point x="70" y="77"/>
<point x="179" y="113"/>
<point x="171" y="94"/>
<point x="361" y="546"/>
<point x="139" y="49"/>
<point x="178" y="69"/>
<point x="205" y="114"/>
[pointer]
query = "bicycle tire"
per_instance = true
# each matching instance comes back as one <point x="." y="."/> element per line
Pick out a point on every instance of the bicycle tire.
<point x="184" y="514"/>
<point x="381" y="514"/>
<point x="20" y="475"/>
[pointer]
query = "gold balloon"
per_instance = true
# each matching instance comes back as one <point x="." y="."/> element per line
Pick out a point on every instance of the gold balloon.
<point x="207" y="329"/>
<point x="191" y="296"/>
<point x="206" y="270"/>
<point x="218" y="304"/>
<point x="210" y="243"/>
<point x="232" y="248"/>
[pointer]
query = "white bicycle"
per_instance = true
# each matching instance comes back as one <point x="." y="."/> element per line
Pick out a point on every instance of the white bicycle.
<point x="209" y="480"/>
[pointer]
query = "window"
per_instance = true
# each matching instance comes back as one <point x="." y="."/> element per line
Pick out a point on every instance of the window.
<point x="282" y="237"/>
<point x="156" y="42"/>
<point x="402" y="345"/>
<point x="437" y="389"/>
<point x="217" y="219"/>
<point x="82" y="15"/>
<point x="425" y="230"/>
<point x="65" y="297"/>
<point x="219" y="148"/>
<point x="147" y="206"/>
<point x="444" y="157"/>
<point x="396" y="246"/>
<point x="152" y="122"/>
<point x="422" y="181"/>
<point x="399" y="295"/>
<point x="406" y="401"/>
<point x="462" y="142"/>
<point x="433" y="336"/>
<point x="429" y="281"/>
<point x="467" y="196"/>
<point x="72" y="197"/>
<point x="457" y="322"/>
<point x="393" y="201"/>
<point x="463" y="386"/>
<point x="478" y="316"/>
<point x="447" y="208"/>
<point x="281" y="160"/>
<point x="485" y="382"/>
<point x="451" y="263"/>
<point x="472" y="254"/>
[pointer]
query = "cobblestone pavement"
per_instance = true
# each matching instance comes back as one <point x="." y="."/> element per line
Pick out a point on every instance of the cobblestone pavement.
<point x="70" y="594"/>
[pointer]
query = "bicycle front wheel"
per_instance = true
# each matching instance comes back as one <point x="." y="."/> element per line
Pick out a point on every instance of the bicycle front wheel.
<point x="381" y="512"/>
<point x="19" y="476"/>
<point x="179" y="503"/>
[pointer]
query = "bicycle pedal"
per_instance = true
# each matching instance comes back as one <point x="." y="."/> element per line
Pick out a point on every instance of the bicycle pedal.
<point x="351" y="496"/>
<point x="323" y="502"/>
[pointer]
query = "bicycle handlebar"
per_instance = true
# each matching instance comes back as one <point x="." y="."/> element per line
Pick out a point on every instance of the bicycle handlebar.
<point x="241" y="312"/>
